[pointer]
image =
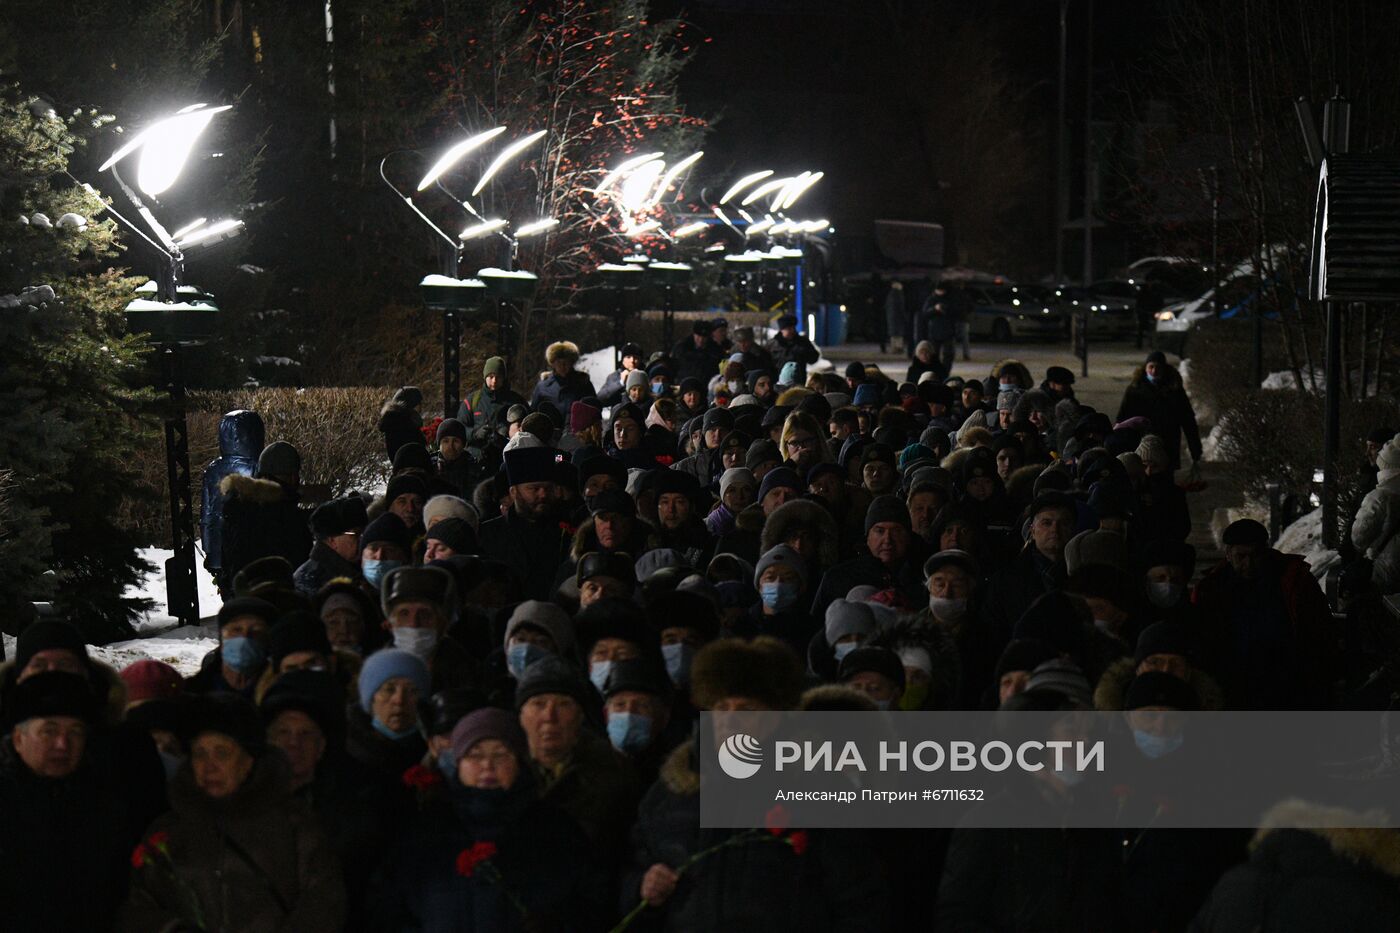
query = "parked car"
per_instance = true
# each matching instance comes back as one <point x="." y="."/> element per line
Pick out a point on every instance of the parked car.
<point x="1109" y="317"/>
<point x="1240" y="295"/>
<point x="1013" y="312"/>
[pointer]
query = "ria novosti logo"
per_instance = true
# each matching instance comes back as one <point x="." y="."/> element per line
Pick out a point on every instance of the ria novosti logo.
<point x="740" y="756"/>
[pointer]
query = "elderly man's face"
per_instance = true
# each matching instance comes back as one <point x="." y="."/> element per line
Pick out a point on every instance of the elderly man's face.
<point x="415" y="613"/>
<point x="301" y="740"/>
<point x="950" y="582"/>
<point x="888" y="542"/>
<point x="408" y="507"/>
<point x="673" y="509"/>
<point x="220" y="764"/>
<point x="552" y="724"/>
<point x="1051" y="530"/>
<point x="50" y="746"/>
<point x="1244" y="558"/>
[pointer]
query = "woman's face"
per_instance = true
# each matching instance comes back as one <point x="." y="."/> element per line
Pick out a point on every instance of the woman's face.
<point x="802" y="448"/>
<point x="220" y="764"/>
<point x="956" y="536"/>
<point x="488" y="764"/>
<point x="763" y="387"/>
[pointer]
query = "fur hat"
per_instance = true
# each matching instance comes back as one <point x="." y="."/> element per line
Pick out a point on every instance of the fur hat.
<point x="764" y="670"/>
<point x="561" y="350"/>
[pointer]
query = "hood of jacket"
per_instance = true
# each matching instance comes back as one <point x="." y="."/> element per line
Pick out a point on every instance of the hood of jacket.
<point x="241" y="434"/>
<point x="1167" y="377"/>
<point x="797" y="515"/>
<point x="920" y="631"/>
<point x="1371" y="846"/>
<point x="679" y="772"/>
<point x="1113" y="686"/>
<point x="249" y="489"/>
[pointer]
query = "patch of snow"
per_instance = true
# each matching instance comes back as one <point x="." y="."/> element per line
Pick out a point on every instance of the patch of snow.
<point x="598" y="365"/>
<point x="1304" y="537"/>
<point x="152" y="587"/>
<point x="491" y="272"/>
<point x="182" y="648"/>
<point x="448" y="282"/>
<point x="1285" y="380"/>
<point x="274" y="361"/>
<point x="250" y="269"/>
<point x="614" y="267"/>
<point x="1210" y="444"/>
<point x="145" y="304"/>
<point x="41" y="220"/>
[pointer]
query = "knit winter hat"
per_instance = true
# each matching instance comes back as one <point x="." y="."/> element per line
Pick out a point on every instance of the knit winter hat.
<point x="583" y="415"/>
<point x="547" y="617"/>
<point x="781" y="554"/>
<point x="1153" y="452"/>
<point x="872" y="659"/>
<point x="1064" y="677"/>
<point x="1388" y="460"/>
<point x="149" y="679"/>
<point x="298" y="631"/>
<point x="279" y="459"/>
<point x="779" y="476"/>
<point x="338" y="516"/>
<point x="444" y="506"/>
<point x="494" y="366"/>
<point x="386" y="664"/>
<point x="887" y="509"/>
<point x="455" y="533"/>
<point x="867" y="396"/>
<point x="788" y="374"/>
<point x="1023" y="654"/>
<point x="386" y="529"/>
<point x="489" y="723"/>
<point x="1167" y="637"/>
<point x="552" y="674"/>
<point x="848" y="617"/>
<point x="742" y="475"/>
<point x="451" y="427"/>
<point x="404" y="484"/>
<point x="635" y="379"/>
<point x="48" y="634"/>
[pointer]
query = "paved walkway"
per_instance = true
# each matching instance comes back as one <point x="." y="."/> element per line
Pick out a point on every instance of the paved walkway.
<point x="1111" y="367"/>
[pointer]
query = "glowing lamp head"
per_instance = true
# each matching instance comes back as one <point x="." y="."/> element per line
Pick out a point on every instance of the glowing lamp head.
<point x="164" y="147"/>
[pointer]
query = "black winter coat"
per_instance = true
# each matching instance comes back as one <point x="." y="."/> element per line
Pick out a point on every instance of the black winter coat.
<point x="323" y="566"/>
<point x="699" y="362"/>
<point x="261" y="519"/>
<point x="798" y="350"/>
<point x="1011" y="590"/>
<point x="255" y="862"/>
<point x="400" y="425"/>
<point x="761" y="886"/>
<point x="533" y="550"/>
<point x="907" y="579"/>
<point x="240" y="443"/>
<point x="562" y="393"/>
<point x="65" y="844"/>
<point x="542" y="860"/>
<point x="387" y="758"/>
<point x="1165" y="404"/>
<point x="1309" y="881"/>
<point x="481" y="405"/>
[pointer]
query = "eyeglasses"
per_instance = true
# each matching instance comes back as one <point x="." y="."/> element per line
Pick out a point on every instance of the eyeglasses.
<point x="494" y="759"/>
<point x="801" y="443"/>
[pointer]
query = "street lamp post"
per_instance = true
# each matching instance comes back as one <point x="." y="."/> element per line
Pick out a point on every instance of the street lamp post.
<point x="178" y="315"/>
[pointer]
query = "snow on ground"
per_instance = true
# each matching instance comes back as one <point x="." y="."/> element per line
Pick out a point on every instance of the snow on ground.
<point x="181" y="648"/>
<point x="152" y="587"/>
<point x="1304" y="537"/>
<point x="1210" y="444"/>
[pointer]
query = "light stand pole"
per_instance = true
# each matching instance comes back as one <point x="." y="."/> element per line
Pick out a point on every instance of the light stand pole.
<point x="1088" y="179"/>
<point x="182" y="592"/>
<point x="1061" y="194"/>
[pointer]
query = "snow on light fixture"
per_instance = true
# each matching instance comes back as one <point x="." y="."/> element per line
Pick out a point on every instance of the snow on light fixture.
<point x="537" y="226"/>
<point x="165" y="146"/>
<point x="481" y="229"/>
<point x="456" y="153"/>
<point x="743" y="183"/>
<point x="190" y="227"/>
<point x="505" y="155"/>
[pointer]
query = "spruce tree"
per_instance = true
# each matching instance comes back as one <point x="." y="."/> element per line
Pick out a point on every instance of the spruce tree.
<point x="72" y="413"/>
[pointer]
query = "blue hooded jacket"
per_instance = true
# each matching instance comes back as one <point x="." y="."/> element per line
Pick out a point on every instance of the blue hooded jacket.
<point x="240" y="443"/>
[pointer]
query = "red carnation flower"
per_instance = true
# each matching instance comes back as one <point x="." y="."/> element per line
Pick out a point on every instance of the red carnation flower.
<point x="469" y="859"/>
<point x="138" y="856"/>
<point x="798" y="841"/>
<point x="420" y="777"/>
<point x="776" y="820"/>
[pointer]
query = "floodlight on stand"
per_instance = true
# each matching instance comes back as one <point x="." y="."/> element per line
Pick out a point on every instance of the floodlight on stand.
<point x="623" y="168"/>
<point x="481" y="229"/>
<point x="189" y="228"/>
<point x="165" y="147"/>
<point x="645" y="226"/>
<point x="537" y="226"/>
<point x="219" y="230"/>
<point x="743" y="183"/>
<point x="724" y="217"/>
<point x="768" y="187"/>
<point x="505" y="155"/>
<point x="755" y="229"/>
<point x="798" y="188"/>
<point x="456" y="153"/>
<point x="680" y="233"/>
<point x="635" y="191"/>
<point x="670" y="177"/>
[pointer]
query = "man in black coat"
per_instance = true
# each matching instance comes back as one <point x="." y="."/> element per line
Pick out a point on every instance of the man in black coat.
<point x="893" y="560"/>
<point x="1038" y="569"/>
<point x="336" y="526"/>
<point x="697" y="356"/>
<point x="531" y="538"/>
<point x="1156" y="393"/>
<point x="71" y="820"/>
<point x="261" y="516"/>
<point x="791" y="347"/>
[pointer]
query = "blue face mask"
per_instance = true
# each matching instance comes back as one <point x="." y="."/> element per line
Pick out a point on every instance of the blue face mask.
<point x="844" y="649"/>
<point x="244" y="655"/>
<point x="1156" y="746"/>
<point x="657" y="388"/>
<point x="779" y="596"/>
<point x="678" y="659"/>
<point x="376" y="570"/>
<point x="1150" y="378"/>
<point x="521" y="655"/>
<point x="629" y="732"/>
<point x="598" y="672"/>
<point x="391" y="734"/>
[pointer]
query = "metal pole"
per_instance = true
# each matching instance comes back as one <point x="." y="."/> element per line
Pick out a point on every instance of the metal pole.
<point x="668" y="318"/>
<point x="1061" y="177"/>
<point x="1088" y="174"/>
<point x="181" y="591"/>
<point x="330" y="73"/>
<point x="1331" y="425"/>
<point x="451" y="340"/>
<point x="1215" y="237"/>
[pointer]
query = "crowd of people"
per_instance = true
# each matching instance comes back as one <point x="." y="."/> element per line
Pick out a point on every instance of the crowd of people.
<point x="471" y="702"/>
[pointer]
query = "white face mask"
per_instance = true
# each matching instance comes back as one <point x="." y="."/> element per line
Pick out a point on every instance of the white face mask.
<point x="418" y="642"/>
<point x="947" y="610"/>
<point x="1166" y="594"/>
